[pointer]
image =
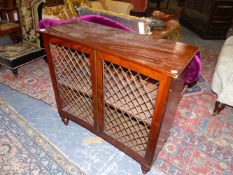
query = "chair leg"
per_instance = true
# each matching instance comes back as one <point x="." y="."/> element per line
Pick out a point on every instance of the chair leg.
<point x="15" y="72"/>
<point x="218" y="107"/>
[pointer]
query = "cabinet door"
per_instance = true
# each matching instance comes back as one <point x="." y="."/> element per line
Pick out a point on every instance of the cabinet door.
<point x="131" y="103"/>
<point x="72" y="67"/>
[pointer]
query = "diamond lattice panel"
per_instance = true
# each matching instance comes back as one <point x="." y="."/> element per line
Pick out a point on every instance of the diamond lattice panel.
<point x="129" y="103"/>
<point x="72" y="70"/>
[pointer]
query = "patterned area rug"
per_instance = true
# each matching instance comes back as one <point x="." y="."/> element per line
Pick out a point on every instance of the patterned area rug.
<point x="33" y="80"/>
<point x="24" y="151"/>
<point x="199" y="143"/>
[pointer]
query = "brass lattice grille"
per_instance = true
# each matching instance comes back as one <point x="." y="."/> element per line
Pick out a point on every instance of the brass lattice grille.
<point x="72" y="71"/>
<point x="129" y="103"/>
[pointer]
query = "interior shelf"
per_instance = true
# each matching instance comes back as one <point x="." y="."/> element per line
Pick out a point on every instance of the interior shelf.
<point x="79" y="88"/>
<point x="146" y="122"/>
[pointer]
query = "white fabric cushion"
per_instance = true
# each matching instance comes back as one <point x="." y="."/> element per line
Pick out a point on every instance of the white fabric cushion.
<point x="222" y="83"/>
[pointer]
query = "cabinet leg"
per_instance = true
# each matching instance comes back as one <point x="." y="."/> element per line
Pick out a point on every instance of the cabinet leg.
<point x="145" y="169"/>
<point x="65" y="120"/>
<point x="218" y="107"/>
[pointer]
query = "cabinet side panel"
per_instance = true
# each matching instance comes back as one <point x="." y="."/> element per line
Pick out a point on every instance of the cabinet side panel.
<point x="170" y="111"/>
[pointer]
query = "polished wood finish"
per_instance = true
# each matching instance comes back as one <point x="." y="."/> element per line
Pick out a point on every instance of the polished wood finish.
<point x="171" y="58"/>
<point x="121" y="65"/>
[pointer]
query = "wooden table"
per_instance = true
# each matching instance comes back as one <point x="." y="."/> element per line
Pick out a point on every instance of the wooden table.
<point x="171" y="31"/>
<point x="8" y="28"/>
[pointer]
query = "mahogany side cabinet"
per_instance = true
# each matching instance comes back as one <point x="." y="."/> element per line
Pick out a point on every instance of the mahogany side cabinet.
<point x="120" y="85"/>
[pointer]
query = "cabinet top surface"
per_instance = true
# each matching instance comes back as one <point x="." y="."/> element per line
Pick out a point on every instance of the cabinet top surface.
<point x="167" y="57"/>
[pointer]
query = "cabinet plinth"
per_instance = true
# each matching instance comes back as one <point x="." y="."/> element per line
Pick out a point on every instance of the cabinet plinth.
<point x="122" y="86"/>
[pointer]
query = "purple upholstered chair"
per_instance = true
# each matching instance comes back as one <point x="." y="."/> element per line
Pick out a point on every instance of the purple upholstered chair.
<point x="44" y="23"/>
<point x="193" y="70"/>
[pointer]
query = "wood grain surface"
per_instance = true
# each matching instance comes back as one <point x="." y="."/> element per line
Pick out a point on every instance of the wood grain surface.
<point x="167" y="57"/>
